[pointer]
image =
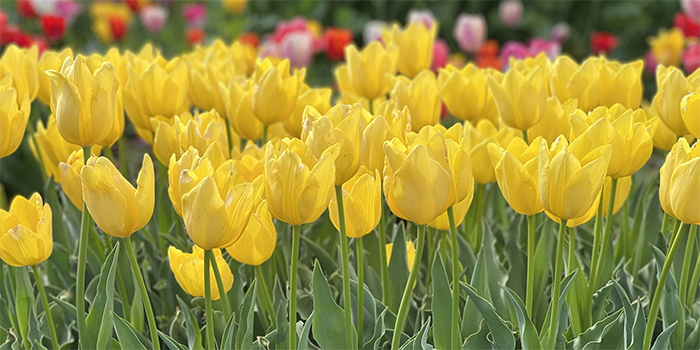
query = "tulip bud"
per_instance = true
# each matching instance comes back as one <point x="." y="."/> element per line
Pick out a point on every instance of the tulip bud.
<point x="21" y="64"/>
<point x="569" y="80"/>
<point x="367" y="69"/>
<point x="457" y="85"/>
<point x="175" y="136"/>
<point x="668" y="46"/>
<point x="274" y="91"/>
<point x="672" y="87"/>
<point x="387" y="125"/>
<point x="373" y="31"/>
<point x="510" y="12"/>
<point x="362" y="200"/>
<point x="68" y="176"/>
<point x="26" y="237"/>
<point x="13" y="118"/>
<point x="318" y="98"/>
<point x="470" y="31"/>
<point x="421" y="96"/>
<point x="298" y="48"/>
<point x="520" y="99"/>
<point x="415" y="47"/>
<point x="236" y="99"/>
<point x="188" y="269"/>
<point x="680" y="184"/>
<point x="555" y="120"/>
<point x="690" y="111"/>
<point x="516" y="169"/>
<point x="258" y="240"/>
<point x="49" y="60"/>
<point x="621" y="83"/>
<point x="476" y="140"/>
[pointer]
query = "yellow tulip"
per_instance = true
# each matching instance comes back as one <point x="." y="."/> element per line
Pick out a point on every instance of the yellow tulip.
<point x="673" y="86"/>
<point x="257" y="243"/>
<point x="235" y="6"/>
<point x="410" y="253"/>
<point x="621" y="83"/>
<point x="362" y="200"/>
<point x="341" y="125"/>
<point x="387" y="124"/>
<point x="49" y="60"/>
<point x="13" y="119"/>
<point x="252" y="160"/>
<point x="680" y="184"/>
<point x="298" y="185"/>
<point x="236" y="98"/>
<point x="367" y="69"/>
<point x="415" y="47"/>
<point x="477" y="139"/>
<point x="319" y="99"/>
<point x="569" y="80"/>
<point x="113" y="56"/>
<point x="517" y="172"/>
<point x="48" y="145"/>
<point x="571" y="176"/>
<point x="668" y="46"/>
<point x="26" y="237"/>
<point x="175" y="136"/>
<point x="101" y="14"/>
<point x="342" y="79"/>
<point x="555" y="120"/>
<point x="117" y="207"/>
<point x="690" y="111"/>
<point x="421" y="96"/>
<point x="197" y="167"/>
<point x="442" y="222"/>
<point x="464" y="91"/>
<point x="458" y="157"/>
<point x="624" y="185"/>
<point x="68" y="176"/>
<point x="274" y="91"/>
<point x="21" y="65"/>
<point x="520" y="99"/>
<point x="188" y="269"/>
<point x="84" y="101"/>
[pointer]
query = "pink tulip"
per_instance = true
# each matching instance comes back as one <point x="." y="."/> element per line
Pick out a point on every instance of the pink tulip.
<point x="269" y="48"/>
<point x="470" y="31"/>
<point x="153" y="17"/>
<point x="69" y="10"/>
<point x="440" y="53"/>
<point x="421" y="16"/>
<point x="298" y="47"/>
<point x="691" y="58"/>
<point x="551" y="48"/>
<point x="560" y="32"/>
<point x="650" y="63"/>
<point x="513" y="49"/>
<point x="510" y="12"/>
<point x="373" y="31"/>
<point x="691" y="8"/>
<point x="195" y="14"/>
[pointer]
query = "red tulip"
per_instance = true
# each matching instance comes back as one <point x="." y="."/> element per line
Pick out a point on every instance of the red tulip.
<point x="195" y="35"/>
<point x="335" y="40"/>
<point x="118" y="27"/>
<point x="25" y="9"/>
<point x="603" y="42"/>
<point x="250" y="38"/>
<point x="686" y="25"/>
<point x="54" y="27"/>
<point x="691" y="58"/>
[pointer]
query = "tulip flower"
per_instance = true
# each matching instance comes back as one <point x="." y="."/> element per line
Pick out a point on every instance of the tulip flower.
<point x="83" y="101"/>
<point x="517" y="173"/>
<point x="153" y="17"/>
<point x="603" y="43"/>
<point x="673" y="86"/>
<point x="235" y="6"/>
<point x="477" y="138"/>
<point x="206" y="73"/>
<point x="421" y="96"/>
<point x="367" y="69"/>
<point x="195" y="14"/>
<point x="362" y="199"/>
<point x="236" y="99"/>
<point x="258" y="240"/>
<point x="687" y="25"/>
<point x="335" y="40"/>
<point x="384" y="127"/>
<point x="560" y="32"/>
<point x="13" y="118"/>
<point x="297" y="47"/>
<point x="691" y="8"/>
<point x="25" y="232"/>
<point x="415" y="47"/>
<point x="188" y="269"/>
<point x="48" y="145"/>
<point x="318" y="98"/>
<point x="521" y="99"/>
<point x="691" y="57"/>
<point x="621" y="83"/>
<point x="373" y="31"/>
<point x="510" y="12"/>
<point x="470" y="31"/>
<point x="274" y="91"/>
<point x="68" y="176"/>
<point x="110" y="20"/>
<point x="569" y="80"/>
<point x="21" y="64"/>
<point x="49" y="60"/>
<point x="196" y="166"/>
<point x="680" y="184"/>
<point x="555" y="120"/>
<point x="175" y="136"/>
<point x="423" y="16"/>
<point x="668" y="46"/>
<point x="622" y="190"/>
<point x="690" y="111"/>
<point x="460" y="85"/>
<point x="53" y="27"/>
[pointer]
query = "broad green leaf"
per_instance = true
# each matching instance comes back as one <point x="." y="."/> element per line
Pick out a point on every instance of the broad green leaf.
<point x="194" y="335"/>
<point x="593" y="336"/>
<point x="171" y="343"/>
<point x="662" y="341"/>
<point x="441" y="306"/>
<point x="565" y="285"/>
<point x="528" y="334"/>
<point x="479" y="281"/>
<point x="379" y="330"/>
<point x="326" y="260"/>
<point x="126" y="334"/>
<point x="227" y="339"/>
<point x="693" y="339"/>
<point x="244" y="334"/>
<point x="329" y="320"/>
<point x="398" y="269"/>
<point x="24" y="298"/>
<point x="368" y="308"/>
<point x="420" y="340"/>
<point x="629" y="313"/>
<point x="542" y="268"/>
<point x="671" y="307"/>
<point x="480" y="339"/>
<point x="502" y="336"/>
<point x="601" y="301"/>
<point x="99" y="325"/>
<point x="578" y="299"/>
<point x="282" y="334"/>
<point x="304" y="338"/>
<point x="637" y="338"/>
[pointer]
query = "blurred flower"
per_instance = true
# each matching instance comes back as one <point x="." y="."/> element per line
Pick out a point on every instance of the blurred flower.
<point x="692" y="9"/>
<point x="195" y="36"/>
<point x="440" y="53"/>
<point x="13" y="118"/>
<point x="362" y="200"/>
<point x="48" y="145"/>
<point x="318" y="98"/>
<point x="110" y="20"/>
<point x="54" y="27"/>
<point x="250" y="38"/>
<point x="569" y="80"/>
<point x="136" y="5"/>
<point x="672" y="87"/>
<point x="335" y="40"/>
<point x="550" y="48"/>
<point x="487" y="55"/>
<point x="421" y="16"/>
<point x="26" y="236"/>
<point x="415" y="45"/>
<point x="258" y="240"/>
<point x="195" y="14"/>
<point x="687" y="25"/>
<point x="69" y="10"/>
<point x="691" y="58"/>
<point x="560" y="32"/>
<point x="650" y="62"/>
<point x="603" y="43"/>
<point x="512" y="50"/>
<point x="680" y="184"/>
<point x="470" y="31"/>
<point x="153" y="17"/>
<point x="690" y="110"/>
<point x="25" y="9"/>
<point x="667" y="46"/>
<point x="298" y="48"/>
<point x="235" y="6"/>
<point x="621" y="82"/>
<point x="189" y="271"/>
<point x="373" y="31"/>
<point x="510" y="12"/>
<point x="49" y="60"/>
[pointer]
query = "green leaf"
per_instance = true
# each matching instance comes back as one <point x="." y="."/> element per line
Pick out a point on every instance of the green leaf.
<point x="171" y="343"/>
<point x="281" y="311"/>
<point x="398" y="269"/>
<point x="244" y="335"/>
<point x="578" y="300"/>
<point x="594" y="335"/>
<point x="329" y="321"/>
<point x="368" y="308"/>
<point x="629" y="313"/>
<point x="304" y="338"/>
<point x="194" y="335"/>
<point x="126" y="334"/>
<point x="99" y="325"/>
<point x="693" y="340"/>
<point x="420" y="340"/>
<point x="662" y="341"/>
<point x="541" y="269"/>
<point x="528" y="334"/>
<point x="479" y="281"/>
<point x="637" y="337"/>
<point x="502" y="336"/>
<point x="379" y="330"/>
<point x="671" y="307"/>
<point x="326" y="260"/>
<point x="480" y="339"/>
<point x="441" y="306"/>
<point x="227" y="339"/>
<point x="565" y="285"/>
<point x="24" y="298"/>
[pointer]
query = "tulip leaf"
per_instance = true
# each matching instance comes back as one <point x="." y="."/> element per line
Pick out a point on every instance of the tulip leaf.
<point x="637" y="335"/>
<point x="227" y="340"/>
<point x="541" y="269"/>
<point x="502" y="336"/>
<point x="479" y="281"/>
<point x="321" y="254"/>
<point x="171" y="343"/>
<point x="244" y="335"/>
<point x="368" y="308"/>
<point x="693" y="339"/>
<point x="579" y="300"/>
<point x="379" y="330"/>
<point x="565" y="285"/>
<point x="194" y="335"/>
<point x="441" y="306"/>
<point x="24" y="298"/>
<point x="528" y="334"/>
<point x="126" y="334"/>
<point x="663" y="340"/>
<point x="420" y="340"/>
<point x="329" y="321"/>
<point x="601" y="334"/>
<point x="629" y="313"/>
<point x="480" y="339"/>
<point x="398" y="269"/>
<point x="99" y="327"/>
<point x="671" y="307"/>
<point x="304" y="338"/>
<point x="281" y="311"/>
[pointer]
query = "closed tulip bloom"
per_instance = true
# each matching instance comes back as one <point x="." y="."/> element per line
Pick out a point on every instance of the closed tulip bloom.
<point x="274" y="91"/>
<point x="50" y="60"/>
<point x="84" y="101"/>
<point x="21" y="64"/>
<point x="387" y="124"/>
<point x="257" y="243"/>
<point x="196" y="165"/>
<point x="621" y="83"/>
<point x="341" y="125"/>
<point x="362" y="200"/>
<point x="68" y="176"/>
<point x="476" y="140"/>
<point x="422" y="97"/>
<point x="318" y="98"/>
<point x="366" y="69"/>
<point x="470" y="31"/>
<point x="569" y="80"/>
<point x="13" y="118"/>
<point x="571" y="176"/>
<point x="26" y="237"/>
<point x="680" y="184"/>
<point x="298" y="185"/>
<point x="415" y="47"/>
<point x="117" y="207"/>
<point x="188" y="269"/>
<point x="555" y="120"/>
<point x="175" y="136"/>
<point x="464" y="91"/>
<point x="690" y="111"/>
<point x="236" y="98"/>
<point x="624" y="184"/>
<point x="216" y="64"/>
<point x="458" y="157"/>
<point x="668" y="46"/>
<point x="517" y="173"/>
<point x="673" y="86"/>
<point x="520" y="99"/>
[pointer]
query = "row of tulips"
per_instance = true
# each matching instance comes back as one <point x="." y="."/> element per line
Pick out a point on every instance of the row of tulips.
<point x="556" y="137"/>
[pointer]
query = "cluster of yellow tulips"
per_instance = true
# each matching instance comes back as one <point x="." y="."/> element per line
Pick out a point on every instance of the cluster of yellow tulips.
<point x="242" y="143"/>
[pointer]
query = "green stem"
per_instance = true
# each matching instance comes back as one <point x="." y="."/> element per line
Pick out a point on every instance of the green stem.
<point x="479" y="232"/>
<point x="607" y="233"/>
<point x="405" y="299"/>
<point x="597" y="231"/>
<point x="443" y="245"/>
<point x="572" y="250"/>
<point x="360" y="291"/>
<point x="432" y="250"/>
<point x="554" y="316"/>
<point x="211" y="342"/>
<point x="265" y="296"/>
<point x="264" y="135"/>
<point x="345" y="254"/>
<point x="47" y="310"/>
<point x="656" y="301"/>
<point x="531" y="243"/>
<point x="82" y="263"/>
<point x="296" y="236"/>
<point x="525" y="137"/>
<point x="693" y="280"/>
<point x="384" y="269"/>
<point x="153" y="329"/>
<point x="223" y="296"/>
<point x="456" y="344"/>
<point x="689" y="247"/>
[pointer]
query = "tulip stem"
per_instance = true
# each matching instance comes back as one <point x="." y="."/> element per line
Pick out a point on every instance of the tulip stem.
<point x="456" y="344"/>
<point x="121" y="287"/>
<point x="296" y="236"/>
<point x="479" y="232"/>
<point x="405" y="299"/>
<point x="531" y="244"/>
<point x="607" y="233"/>
<point x="443" y="243"/>
<point x="384" y="270"/>
<point x="223" y="296"/>
<point x="47" y="310"/>
<point x="360" y="291"/>
<point x="211" y="342"/>
<point x="121" y="151"/>
<point x="345" y="253"/>
<point x="144" y="292"/>
<point x="265" y="296"/>
<point x="656" y="301"/>
<point x="82" y="263"/>
<point x="689" y="248"/>
<point x="694" y="279"/>
<point x="597" y="228"/>
<point x="525" y="137"/>
<point x="264" y="136"/>
<point x="554" y="316"/>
